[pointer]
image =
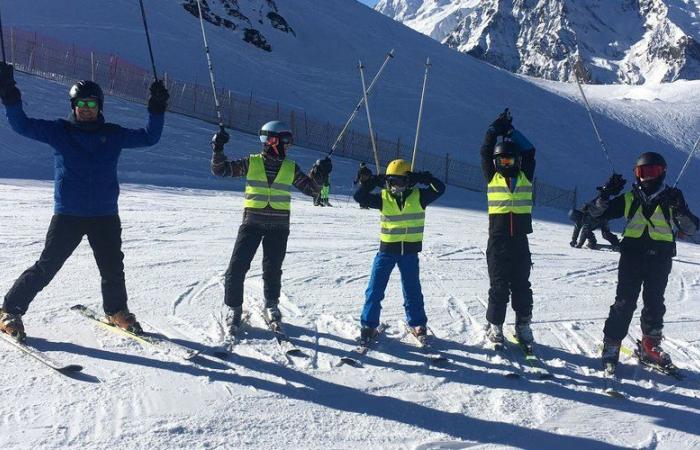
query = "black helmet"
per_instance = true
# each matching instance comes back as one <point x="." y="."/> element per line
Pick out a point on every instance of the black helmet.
<point x="86" y="89"/>
<point x="506" y="158"/>
<point x="650" y="171"/>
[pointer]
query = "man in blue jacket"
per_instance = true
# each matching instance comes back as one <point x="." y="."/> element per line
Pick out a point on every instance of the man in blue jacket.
<point x="86" y="190"/>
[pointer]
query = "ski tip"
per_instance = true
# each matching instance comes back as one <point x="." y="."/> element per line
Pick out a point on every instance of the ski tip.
<point x="77" y="307"/>
<point x="350" y="362"/>
<point x="297" y="353"/>
<point x="615" y="394"/>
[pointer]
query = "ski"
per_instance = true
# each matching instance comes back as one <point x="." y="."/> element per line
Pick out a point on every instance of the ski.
<point x="535" y="366"/>
<point x="611" y="382"/>
<point x="671" y="369"/>
<point x="426" y="348"/>
<point x="157" y="341"/>
<point x="355" y="356"/>
<point x="503" y="353"/>
<point x="283" y="341"/>
<point x="42" y="357"/>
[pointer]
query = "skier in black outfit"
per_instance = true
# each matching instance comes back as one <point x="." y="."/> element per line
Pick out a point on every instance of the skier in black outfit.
<point x="269" y="178"/>
<point x="509" y="168"/>
<point x="86" y="154"/>
<point x="363" y="174"/>
<point x="585" y="224"/>
<point x="646" y="251"/>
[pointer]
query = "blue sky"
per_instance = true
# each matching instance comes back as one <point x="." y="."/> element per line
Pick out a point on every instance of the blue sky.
<point x="369" y="2"/>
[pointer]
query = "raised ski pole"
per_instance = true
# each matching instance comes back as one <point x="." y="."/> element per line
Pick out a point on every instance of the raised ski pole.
<point x="369" y="119"/>
<point x="148" y="40"/>
<point x="420" y="113"/>
<point x="590" y="116"/>
<point x="359" y="105"/>
<point x="687" y="162"/>
<point x="211" y="68"/>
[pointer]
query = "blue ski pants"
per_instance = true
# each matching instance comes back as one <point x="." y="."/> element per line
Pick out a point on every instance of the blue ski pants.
<point x="410" y="282"/>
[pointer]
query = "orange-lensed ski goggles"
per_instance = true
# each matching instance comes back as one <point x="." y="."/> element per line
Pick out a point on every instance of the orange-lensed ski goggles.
<point x="649" y="172"/>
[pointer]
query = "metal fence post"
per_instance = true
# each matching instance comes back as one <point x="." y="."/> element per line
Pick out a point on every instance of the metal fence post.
<point x="447" y="167"/>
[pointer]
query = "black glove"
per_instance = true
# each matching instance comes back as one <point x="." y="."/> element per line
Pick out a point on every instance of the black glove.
<point x="218" y="140"/>
<point x="324" y="167"/>
<point x="673" y="197"/>
<point x="503" y="124"/>
<point x="420" y="177"/>
<point x="158" y="99"/>
<point x="613" y="186"/>
<point x="8" y="91"/>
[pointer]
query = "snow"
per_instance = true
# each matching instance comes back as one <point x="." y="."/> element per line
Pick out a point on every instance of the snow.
<point x="177" y="242"/>
<point x="316" y="70"/>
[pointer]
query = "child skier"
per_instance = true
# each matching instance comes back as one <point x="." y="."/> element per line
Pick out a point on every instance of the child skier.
<point x="269" y="178"/>
<point x="86" y="153"/>
<point x="646" y="251"/>
<point x="509" y="168"/>
<point x="401" y="237"/>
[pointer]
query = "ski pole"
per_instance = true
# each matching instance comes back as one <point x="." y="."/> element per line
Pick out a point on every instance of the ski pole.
<point x="2" y="41"/>
<point x="420" y="112"/>
<point x="148" y="40"/>
<point x="590" y="116"/>
<point x="687" y="162"/>
<point x="211" y="68"/>
<point x="359" y="105"/>
<point x="369" y="119"/>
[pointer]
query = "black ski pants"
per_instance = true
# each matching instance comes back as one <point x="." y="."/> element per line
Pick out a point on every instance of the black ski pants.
<point x="274" y="242"/>
<point x="509" y="262"/>
<point x="64" y="235"/>
<point x="634" y="271"/>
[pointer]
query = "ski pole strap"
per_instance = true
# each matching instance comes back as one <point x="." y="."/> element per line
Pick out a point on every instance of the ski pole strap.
<point x="148" y="40"/>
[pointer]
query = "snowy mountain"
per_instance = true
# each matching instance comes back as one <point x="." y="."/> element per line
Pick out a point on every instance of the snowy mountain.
<point x="315" y="70"/>
<point x="626" y="41"/>
<point x="177" y="243"/>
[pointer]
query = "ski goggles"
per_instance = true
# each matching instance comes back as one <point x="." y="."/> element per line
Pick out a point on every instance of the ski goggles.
<point x="397" y="180"/>
<point x="92" y="104"/>
<point x="649" y="172"/>
<point x="506" y="161"/>
<point x="284" y="138"/>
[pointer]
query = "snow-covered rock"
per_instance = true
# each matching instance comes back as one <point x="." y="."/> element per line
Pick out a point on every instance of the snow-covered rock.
<point x="627" y="41"/>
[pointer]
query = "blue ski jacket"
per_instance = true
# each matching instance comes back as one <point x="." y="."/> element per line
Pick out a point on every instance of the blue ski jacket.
<point x="85" y="157"/>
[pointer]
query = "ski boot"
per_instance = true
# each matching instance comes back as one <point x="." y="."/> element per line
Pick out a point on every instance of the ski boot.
<point x="12" y="324"/>
<point x="650" y="351"/>
<point x="494" y="335"/>
<point x="420" y="333"/>
<point x="593" y="245"/>
<point x="610" y="354"/>
<point x="273" y="314"/>
<point x="126" y="321"/>
<point x="367" y="335"/>
<point x="233" y="320"/>
<point x="523" y="332"/>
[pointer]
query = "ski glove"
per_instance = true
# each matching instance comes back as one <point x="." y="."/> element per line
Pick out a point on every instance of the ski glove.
<point x="613" y="186"/>
<point x="503" y="124"/>
<point x="674" y="198"/>
<point x="420" y="177"/>
<point x="218" y="140"/>
<point x="8" y="91"/>
<point x="324" y="167"/>
<point x="158" y="99"/>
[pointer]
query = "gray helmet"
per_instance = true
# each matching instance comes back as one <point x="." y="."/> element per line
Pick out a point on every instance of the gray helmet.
<point x="278" y="129"/>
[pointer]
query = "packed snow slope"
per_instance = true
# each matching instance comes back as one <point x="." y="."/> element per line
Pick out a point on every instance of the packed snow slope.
<point x="177" y="243"/>
<point x="315" y="68"/>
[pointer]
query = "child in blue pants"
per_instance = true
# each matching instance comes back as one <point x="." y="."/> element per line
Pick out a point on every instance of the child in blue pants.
<point x="402" y="209"/>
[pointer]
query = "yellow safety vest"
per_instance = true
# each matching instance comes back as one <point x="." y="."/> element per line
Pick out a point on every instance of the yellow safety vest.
<point x="503" y="201"/>
<point x="259" y="193"/>
<point x="402" y="225"/>
<point x="659" y="228"/>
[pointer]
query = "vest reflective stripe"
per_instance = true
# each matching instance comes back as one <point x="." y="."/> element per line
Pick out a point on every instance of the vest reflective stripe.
<point x="402" y="225"/>
<point x="659" y="228"/>
<point x="502" y="201"/>
<point x="259" y="193"/>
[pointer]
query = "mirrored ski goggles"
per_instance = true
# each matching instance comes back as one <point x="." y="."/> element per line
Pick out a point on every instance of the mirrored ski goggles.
<point x="86" y="104"/>
<point x="396" y="180"/>
<point x="284" y="138"/>
<point x="649" y="172"/>
<point x="506" y="161"/>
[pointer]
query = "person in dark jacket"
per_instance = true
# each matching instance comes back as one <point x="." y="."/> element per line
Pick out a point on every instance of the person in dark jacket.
<point x="86" y="191"/>
<point x="401" y="239"/>
<point x="270" y="175"/>
<point x="363" y="174"/>
<point x="585" y="224"/>
<point x="509" y="168"/>
<point x="648" y="245"/>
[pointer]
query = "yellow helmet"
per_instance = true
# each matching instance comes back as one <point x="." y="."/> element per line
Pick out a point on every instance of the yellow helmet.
<point x="398" y="167"/>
